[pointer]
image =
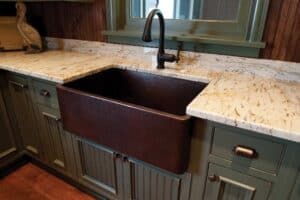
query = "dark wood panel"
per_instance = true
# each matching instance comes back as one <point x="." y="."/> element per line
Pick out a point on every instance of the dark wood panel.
<point x="83" y="21"/>
<point x="282" y="31"/>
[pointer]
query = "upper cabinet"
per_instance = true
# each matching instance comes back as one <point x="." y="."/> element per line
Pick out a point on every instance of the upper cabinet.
<point x="219" y="26"/>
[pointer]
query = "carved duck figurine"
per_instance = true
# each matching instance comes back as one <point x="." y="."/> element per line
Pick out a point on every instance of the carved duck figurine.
<point x="31" y="37"/>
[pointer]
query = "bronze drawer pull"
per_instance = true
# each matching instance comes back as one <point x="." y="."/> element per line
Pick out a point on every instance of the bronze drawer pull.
<point x="45" y="93"/>
<point x="20" y="85"/>
<point x="245" y="152"/>
<point x="51" y="116"/>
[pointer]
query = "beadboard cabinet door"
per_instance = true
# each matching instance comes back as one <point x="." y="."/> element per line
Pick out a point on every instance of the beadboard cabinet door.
<point x="143" y="181"/>
<point x="7" y="144"/>
<point x="225" y="183"/>
<point x="99" y="168"/>
<point x="25" y="120"/>
<point x="57" y="144"/>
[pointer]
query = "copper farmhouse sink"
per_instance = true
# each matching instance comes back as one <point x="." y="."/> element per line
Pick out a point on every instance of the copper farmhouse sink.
<point x="138" y="114"/>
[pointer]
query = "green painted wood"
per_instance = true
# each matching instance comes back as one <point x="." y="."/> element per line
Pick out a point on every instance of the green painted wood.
<point x="57" y="144"/>
<point x="24" y="113"/>
<point x="179" y="37"/>
<point x="98" y="168"/>
<point x="45" y="93"/>
<point x="287" y="171"/>
<point x="275" y="171"/>
<point x="149" y="183"/>
<point x="198" y="166"/>
<point x="234" y="185"/>
<point x="8" y="146"/>
<point x="270" y="153"/>
<point x="9" y="108"/>
<point x="295" y="195"/>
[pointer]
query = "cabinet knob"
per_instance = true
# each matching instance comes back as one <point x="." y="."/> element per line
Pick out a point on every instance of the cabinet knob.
<point x="243" y="151"/>
<point x="44" y="93"/>
<point x="125" y="159"/>
<point x="214" y="178"/>
<point x="117" y="155"/>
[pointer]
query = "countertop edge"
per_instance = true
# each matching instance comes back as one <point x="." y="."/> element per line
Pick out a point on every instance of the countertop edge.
<point x="257" y="127"/>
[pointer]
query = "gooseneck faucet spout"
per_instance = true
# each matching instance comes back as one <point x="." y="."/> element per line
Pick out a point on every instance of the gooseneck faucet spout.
<point x="162" y="57"/>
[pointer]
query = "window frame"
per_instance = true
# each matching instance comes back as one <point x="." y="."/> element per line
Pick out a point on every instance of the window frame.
<point x="246" y="31"/>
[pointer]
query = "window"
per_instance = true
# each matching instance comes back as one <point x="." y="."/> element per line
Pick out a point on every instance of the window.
<point x="234" y="25"/>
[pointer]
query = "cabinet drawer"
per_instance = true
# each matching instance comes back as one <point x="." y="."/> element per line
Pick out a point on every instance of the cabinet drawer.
<point x="45" y="93"/>
<point x="18" y="82"/>
<point x="247" y="150"/>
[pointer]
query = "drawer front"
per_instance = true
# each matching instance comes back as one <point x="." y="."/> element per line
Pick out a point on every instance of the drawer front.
<point x="246" y="150"/>
<point x="17" y="81"/>
<point x="45" y="94"/>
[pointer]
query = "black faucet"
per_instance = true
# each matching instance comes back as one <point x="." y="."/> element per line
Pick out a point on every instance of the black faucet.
<point x="162" y="57"/>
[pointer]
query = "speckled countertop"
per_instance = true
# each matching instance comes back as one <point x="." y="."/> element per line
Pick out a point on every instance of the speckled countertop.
<point x="258" y="95"/>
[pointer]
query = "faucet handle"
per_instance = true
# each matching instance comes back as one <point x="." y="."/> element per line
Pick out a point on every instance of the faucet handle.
<point x="179" y="48"/>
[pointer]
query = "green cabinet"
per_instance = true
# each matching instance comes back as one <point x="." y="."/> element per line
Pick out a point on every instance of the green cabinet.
<point x="296" y="190"/>
<point x="224" y="183"/>
<point x="150" y="183"/>
<point x="23" y="112"/>
<point x="8" y="146"/>
<point x="99" y="168"/>
<point x="36" y="120"/>
<point x="118" y="177"/>
<point x="225" y="162"/>
<point x="247" y="165"/>
<point x="57" y="144"/>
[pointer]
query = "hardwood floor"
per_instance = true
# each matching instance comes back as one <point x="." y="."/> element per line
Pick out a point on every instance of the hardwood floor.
<point x="33" y="183"/>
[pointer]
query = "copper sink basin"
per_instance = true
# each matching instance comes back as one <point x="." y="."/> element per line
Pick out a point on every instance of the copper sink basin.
<point x="138" y="114"/>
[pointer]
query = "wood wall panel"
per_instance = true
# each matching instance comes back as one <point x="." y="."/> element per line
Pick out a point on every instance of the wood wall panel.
<point x="83" y="21"/>
<point x="282" y="31"/>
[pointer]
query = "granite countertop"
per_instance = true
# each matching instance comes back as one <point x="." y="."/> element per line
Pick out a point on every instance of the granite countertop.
<point x="257" y="95"/>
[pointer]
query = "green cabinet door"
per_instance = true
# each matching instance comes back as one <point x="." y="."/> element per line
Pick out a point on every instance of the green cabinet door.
<point x="296" y="190"/>
<point x="23" y="109"/>
<point x="224" y="183"/>
<point x="8" y="146"/>
<point x="57" y="144"/>
<point x="142" y="181"/>
<point x="99" y="168"/>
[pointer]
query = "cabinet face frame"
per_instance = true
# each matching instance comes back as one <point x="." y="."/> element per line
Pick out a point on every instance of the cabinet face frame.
<point x="24" y="112"/>
<point x="12" y="148"/>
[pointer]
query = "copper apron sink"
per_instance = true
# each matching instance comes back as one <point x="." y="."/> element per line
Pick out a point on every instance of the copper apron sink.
<point x="138" y="114"/>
